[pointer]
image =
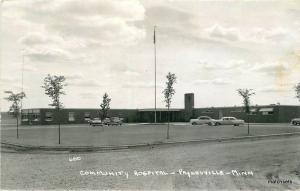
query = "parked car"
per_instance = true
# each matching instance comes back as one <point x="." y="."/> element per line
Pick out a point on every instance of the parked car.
<point x="115" y="121"/>
<point x="295" y="121"/>
<point x="229" y="121"/>
<point x="202" y="120"/>
<point x="96" y="122"/>
<point x="106" y="121"/>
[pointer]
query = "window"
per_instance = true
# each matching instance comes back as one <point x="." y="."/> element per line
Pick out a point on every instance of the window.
<point x="253" y="111"/>
<point x="237" y="111"/>
<point x="24" y="117"/>
<point x="87" y="116"/>
<point x="35" y="117"/>
<point x="49" y="116"/>
<point x="71" y="116"/>
<point x="267" y="111"/>
<point x="35" y="111"/>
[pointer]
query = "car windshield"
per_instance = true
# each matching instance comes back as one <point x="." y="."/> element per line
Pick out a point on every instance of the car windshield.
<point x="203" y="118"/>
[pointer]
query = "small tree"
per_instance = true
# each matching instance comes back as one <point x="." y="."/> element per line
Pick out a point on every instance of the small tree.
<point x="246" y="94"/>
<point x="53" y="86"/>
<point x="168" y="92"/>
<point x="15" y="107"/>
<point x="105" y="106"/>
<point x="297" y="89"/>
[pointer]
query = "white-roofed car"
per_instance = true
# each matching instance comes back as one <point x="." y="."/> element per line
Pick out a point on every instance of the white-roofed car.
<point x="295" y="121"/>
<point x="202" y="120"/>
<point x="106" y="121"/>
<point x="96" y="122"/>
<point x="115" y="121"/>
<point x="229" y="121"/>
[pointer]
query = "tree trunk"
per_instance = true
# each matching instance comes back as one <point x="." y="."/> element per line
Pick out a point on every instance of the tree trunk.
<point x="17" y="126"/>
<point x="248" y="124"/>
<point x="58" y="125"/>
<point x="168" y="131"/>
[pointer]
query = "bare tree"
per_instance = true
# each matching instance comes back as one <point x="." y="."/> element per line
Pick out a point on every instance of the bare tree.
<point x="53" y="86"/>
<point x="105" y="106"/>
<point x="15" y="106"/>
<point x="246" y="94"/>
<point x="297" y="89"/>
<point x="168" y="92"/>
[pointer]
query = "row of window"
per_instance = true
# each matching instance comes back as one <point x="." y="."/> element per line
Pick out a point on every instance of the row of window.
<point x="264" y="111"/>
<point x="49" y="116"/>
<point x="71" y="117"/>
<point x="32" y="117"/>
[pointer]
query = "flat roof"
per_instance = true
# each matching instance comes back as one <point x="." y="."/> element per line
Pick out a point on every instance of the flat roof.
<point x="159" y="109"/>
<point x="173" y="109"/>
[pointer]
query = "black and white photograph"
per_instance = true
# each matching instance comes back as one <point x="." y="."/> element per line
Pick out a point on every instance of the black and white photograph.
<point x="150" y="95"/>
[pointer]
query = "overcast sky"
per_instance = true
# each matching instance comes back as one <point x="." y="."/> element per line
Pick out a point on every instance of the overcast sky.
<point x="213" y="47"/>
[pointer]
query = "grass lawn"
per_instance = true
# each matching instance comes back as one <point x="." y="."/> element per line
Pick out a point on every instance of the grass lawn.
<point x="85" y="135"/>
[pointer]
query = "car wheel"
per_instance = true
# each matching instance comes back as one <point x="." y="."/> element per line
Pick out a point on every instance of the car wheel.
<point x="194" y="123"/>
<point x="217" y="124"/>
<point x="210" y="124"/>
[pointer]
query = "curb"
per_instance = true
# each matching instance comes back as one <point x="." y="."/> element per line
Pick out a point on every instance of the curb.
<point x="21" y="147"/>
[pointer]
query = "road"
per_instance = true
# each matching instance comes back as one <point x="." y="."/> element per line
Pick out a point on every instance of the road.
<point x="272" y="159"/>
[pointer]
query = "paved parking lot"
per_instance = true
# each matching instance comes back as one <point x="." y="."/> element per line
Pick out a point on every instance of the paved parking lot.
<point x="128" y="134"/>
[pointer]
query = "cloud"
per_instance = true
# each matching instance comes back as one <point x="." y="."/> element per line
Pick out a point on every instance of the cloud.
<point x="252" y="35"/>
<point x="85" y="83"/>
<point x="224" y="65"/>
<point x="88" y="95"/>
<point x="78" y="80"/>
<point x="11" y="84"/>
<point x="101" y="32"/>
<point x="271" y="68"/>
<point x="169" y="16"/>
<point x="38" y="38"/>
<point x="74" y="77"/>
<point x="220" y="32"/>
<point x="217" y="81"/>
<point x="131" y="73"/>
<point x="30" y="68"/>
<point x="48" y="55"/>
<point x="8" y="80"/>
<point x="129" y="10"/>
<point x="141" y="85"/>
<point x="261" y="35"/>
<point x="276" y="89"/>
<point x="100" y="22"/>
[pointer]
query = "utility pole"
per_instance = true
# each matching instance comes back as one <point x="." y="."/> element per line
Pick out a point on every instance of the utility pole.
<point x="154" y="41"/>
<point x="22" y="88"/>
<point x="22" y="77"/>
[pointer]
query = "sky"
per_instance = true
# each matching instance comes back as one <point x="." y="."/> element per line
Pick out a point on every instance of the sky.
<point x="213" y="47"/>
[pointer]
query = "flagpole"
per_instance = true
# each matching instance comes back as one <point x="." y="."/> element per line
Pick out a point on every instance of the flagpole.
<point x="154" y="41"/>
